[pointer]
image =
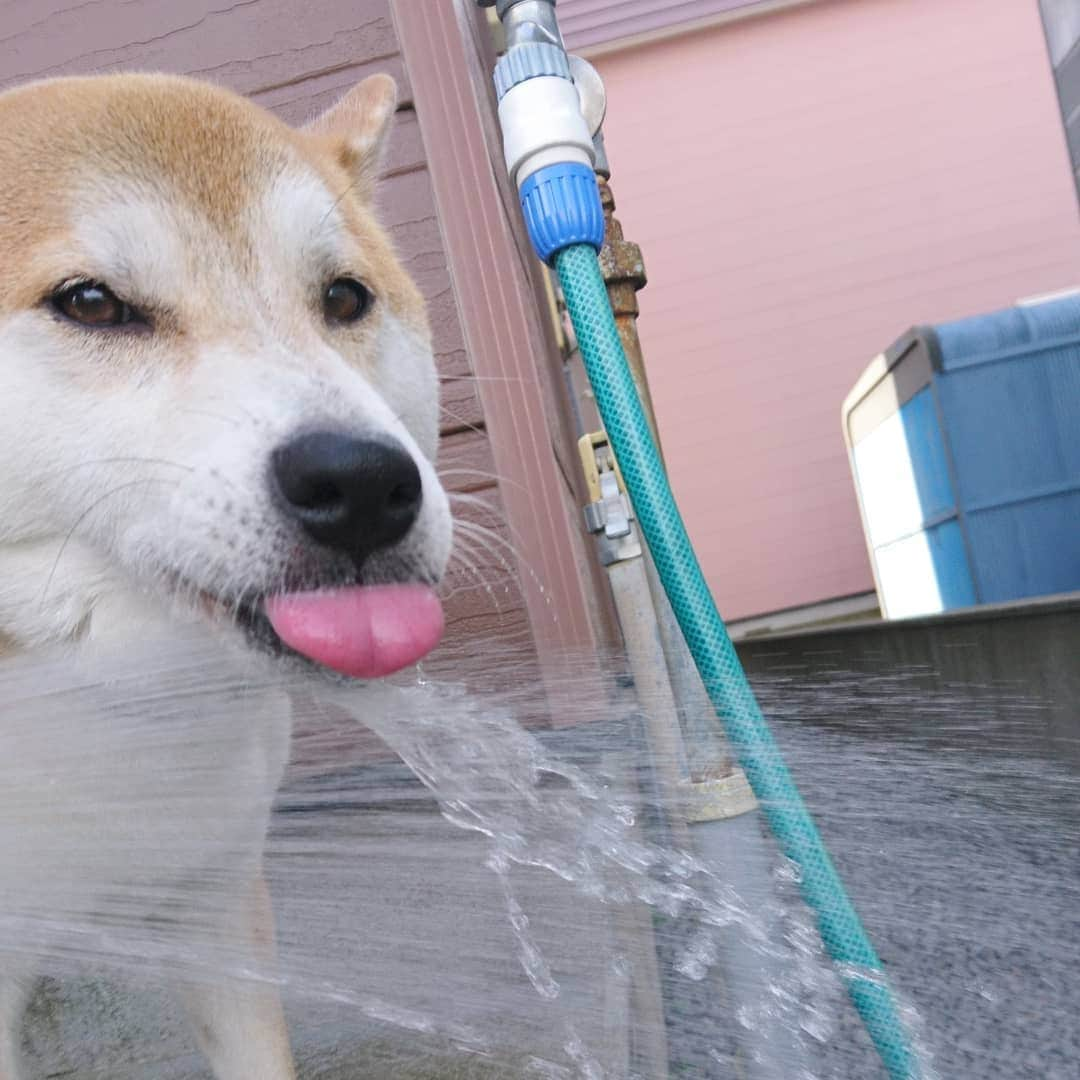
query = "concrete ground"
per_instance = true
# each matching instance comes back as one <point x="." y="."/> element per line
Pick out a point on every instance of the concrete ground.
<point x="942" y="767"/>
<point x="399" y="961"/>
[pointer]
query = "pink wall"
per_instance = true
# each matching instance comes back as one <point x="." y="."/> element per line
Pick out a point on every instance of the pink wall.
<point x="589" y="24"/>
<point x="805" y="187"/>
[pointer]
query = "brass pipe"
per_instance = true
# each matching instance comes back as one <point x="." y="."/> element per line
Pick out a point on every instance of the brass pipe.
<point x="623" y="268"/>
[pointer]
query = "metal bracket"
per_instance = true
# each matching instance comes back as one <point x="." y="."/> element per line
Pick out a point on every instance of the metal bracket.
<point x="608" y="512"/>
<point x="591" y="92"/>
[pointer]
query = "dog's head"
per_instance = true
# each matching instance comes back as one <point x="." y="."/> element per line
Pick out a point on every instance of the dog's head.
<point x="216" y="379"/>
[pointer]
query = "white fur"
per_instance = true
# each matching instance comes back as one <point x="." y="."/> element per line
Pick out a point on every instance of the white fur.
<point x="132" y="239"/>
<point x="130" y="463"/>
<point x="161" y="469"/>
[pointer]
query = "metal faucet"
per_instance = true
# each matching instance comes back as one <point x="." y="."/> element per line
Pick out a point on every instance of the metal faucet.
<point x="525" y="21"/>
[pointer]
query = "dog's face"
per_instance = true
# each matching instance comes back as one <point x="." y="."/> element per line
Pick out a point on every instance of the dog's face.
<point x="216" y="380"/>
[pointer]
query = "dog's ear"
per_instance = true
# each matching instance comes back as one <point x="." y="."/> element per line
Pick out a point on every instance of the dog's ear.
<point x="358" y="125"/>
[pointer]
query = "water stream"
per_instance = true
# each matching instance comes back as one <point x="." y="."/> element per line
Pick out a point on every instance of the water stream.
<point x="463" y="891"/>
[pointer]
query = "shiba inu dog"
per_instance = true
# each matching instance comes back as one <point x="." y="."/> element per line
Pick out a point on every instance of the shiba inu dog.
<point x="218" y="409"/>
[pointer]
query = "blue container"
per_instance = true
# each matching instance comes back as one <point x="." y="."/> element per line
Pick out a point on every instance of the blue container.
<point x="964" y="441"/>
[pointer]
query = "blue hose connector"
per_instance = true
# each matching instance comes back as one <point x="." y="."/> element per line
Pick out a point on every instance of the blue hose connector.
<point x="561" y="204"/>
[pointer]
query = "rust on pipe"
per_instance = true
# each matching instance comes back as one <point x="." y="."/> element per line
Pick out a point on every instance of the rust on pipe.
<point x="623" y="268"/>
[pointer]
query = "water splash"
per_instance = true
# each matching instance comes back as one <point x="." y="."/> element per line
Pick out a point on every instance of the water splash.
<point x="511" y="903"/>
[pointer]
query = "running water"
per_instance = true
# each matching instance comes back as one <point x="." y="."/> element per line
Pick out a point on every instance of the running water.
<point x="465" y="889"/>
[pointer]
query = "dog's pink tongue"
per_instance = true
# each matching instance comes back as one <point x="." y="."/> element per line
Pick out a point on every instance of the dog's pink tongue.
<point x="366" y="632"/>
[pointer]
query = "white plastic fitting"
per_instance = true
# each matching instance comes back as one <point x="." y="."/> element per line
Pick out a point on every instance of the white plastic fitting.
<point x="542" y="125"/>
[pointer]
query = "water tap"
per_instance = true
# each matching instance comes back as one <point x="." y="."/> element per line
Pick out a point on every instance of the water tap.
<point x="547" y="141"/>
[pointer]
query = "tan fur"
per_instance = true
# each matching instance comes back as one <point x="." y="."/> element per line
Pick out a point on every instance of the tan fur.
<point x="206" y="145"/>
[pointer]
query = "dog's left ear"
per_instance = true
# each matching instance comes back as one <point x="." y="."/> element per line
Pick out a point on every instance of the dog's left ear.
<point x="358" y="124"/>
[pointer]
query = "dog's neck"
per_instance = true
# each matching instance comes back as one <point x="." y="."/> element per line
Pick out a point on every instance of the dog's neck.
<point x="46" y="599"/>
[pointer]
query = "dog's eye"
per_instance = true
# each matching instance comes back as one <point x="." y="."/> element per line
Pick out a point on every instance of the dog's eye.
<point x="93" y="304"/>
<point x="346" y="300"/>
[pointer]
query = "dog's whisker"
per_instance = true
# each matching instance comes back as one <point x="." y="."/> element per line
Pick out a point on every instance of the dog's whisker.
<point x="461" y="422"/>
<point x="465" y="590"/>
<point x="460" y="554"/>
<point x="124" y="460"/>
<point x="239" y="408"/>
<point x="487" y="499"/>
<point x="486" y="571"/>
<point x="484" y="544"/>
<point x="515" y="534"/>
<point x="467" y="530"/>
<point x="473" y="529"/>
<point x="482" y="474"/>
<point x="484" y="378"/>
<point x="492" y="542"/>
<point x="476" y="572"/>
<point x="83" y="516"/>
<point x="479" y="504"/>
<point x="212" y="415"/>
<point x="486" y="577"/>
<point x="339" y="200"/>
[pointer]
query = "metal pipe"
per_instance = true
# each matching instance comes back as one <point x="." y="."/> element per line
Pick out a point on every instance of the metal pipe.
<point x="530" y="21"/>
<point x="623" y="268"/>
<point x="527" y="21"/>
<point x="736" y="707"/>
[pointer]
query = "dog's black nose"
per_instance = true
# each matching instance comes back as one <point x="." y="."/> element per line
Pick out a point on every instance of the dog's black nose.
<point x="353" y="495"/>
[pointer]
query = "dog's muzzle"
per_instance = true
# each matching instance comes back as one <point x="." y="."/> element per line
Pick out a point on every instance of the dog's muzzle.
<point x="355" y="496"/>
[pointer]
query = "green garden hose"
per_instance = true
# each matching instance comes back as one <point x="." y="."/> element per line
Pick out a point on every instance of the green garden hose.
<point x="747" y="732"/>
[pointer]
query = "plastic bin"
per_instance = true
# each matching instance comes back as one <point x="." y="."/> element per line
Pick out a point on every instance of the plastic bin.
<point x="964" y="442"/>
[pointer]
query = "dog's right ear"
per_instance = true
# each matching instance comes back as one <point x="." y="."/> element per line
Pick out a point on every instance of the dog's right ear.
<point x="358" y="125"/>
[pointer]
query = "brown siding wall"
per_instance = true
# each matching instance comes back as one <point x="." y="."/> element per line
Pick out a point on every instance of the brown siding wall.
<point x="295" y="59"/>
<point x="512" y="356"/>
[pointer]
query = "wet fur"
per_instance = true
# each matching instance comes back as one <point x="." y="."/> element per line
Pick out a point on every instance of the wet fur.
<point x="133" y="462"/>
